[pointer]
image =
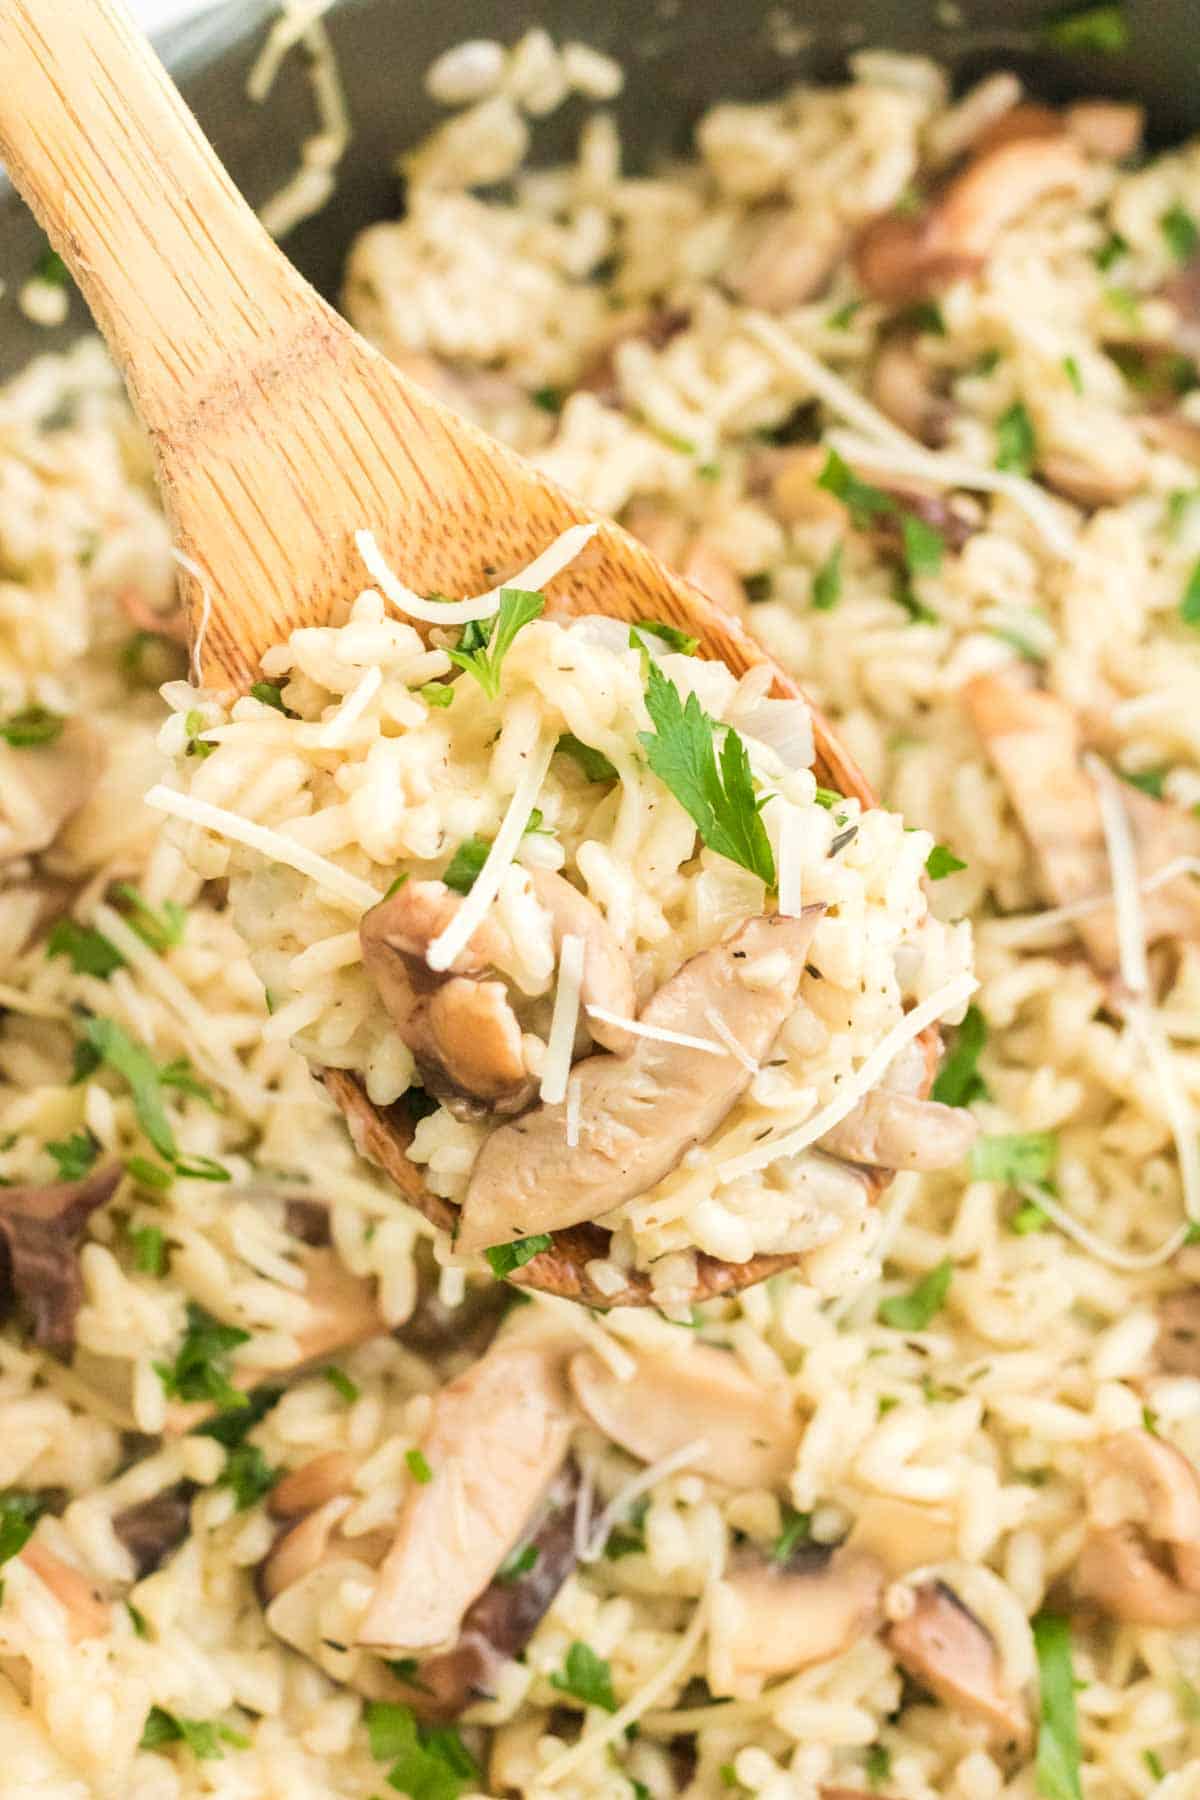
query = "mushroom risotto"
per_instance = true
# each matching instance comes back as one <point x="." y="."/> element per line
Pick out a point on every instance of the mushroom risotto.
<point x="296" y="1496"/>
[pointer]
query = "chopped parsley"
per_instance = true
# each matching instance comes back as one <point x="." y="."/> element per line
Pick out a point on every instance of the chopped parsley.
<point x="1016" y="441"/>
<point x="30" y="729"/>
<point x="796" y="1530"/>
<point x="629" y="1537"/>
<point x="149" y="1246"/>
<point x="914" y="1310"/>
<point x="1100" y="30"/>
<point x="842" y="318"/>
<point x="1058" y="1754"/>
<point x="1022" y="1156"/>
<point x="923" y="546"/>
<point x="341" y="1383"/>
<point x="486" y="642"/>
<point x="104" y="1041"/>
<point x="958" y="1080"/>
<point x="233" y="1425"/>
<point x="923" y="315"/>
<point x="429" y="1762"/>
<point x="720" y="799"/>
<point x="160" y="928"/>
<point x="504" y="1258"/>
<point x="74" y="1155"/>
<point x="462" y="871"/>
<point x="437" y="693"/>
<point x="1147" y="781"/>
<point x="1123" y="300"/>
<point x="418" y="1467"/>
<point x="595" y="765"/>
<point x="269" y="693"/>
<point x="51" y="269"/>
<point x="1073" y="373"/>
<point x="19" y="1513"/>
<point x="201" y="1367"/>
<point x="878" y="1765"/>
<point x="1189" y="605"/>
<point x="1179" y="503"/>
<point x="905" y="595"/>
<point x="248" y="1474"/>
<point x="550" y="399"/>
<point x="586" y="1677"/>
<point x="519" y="1563"/>
<point x="1181" y="231"/>
<point x="203" y="1737"/>
<point x="670" y="635"/>
<point x="827" y="581"/>
<point x="88" y="950"/>
<point x="1110" y="252"/>
<point x="194" y="723"/>
<point x="137" y="1620"/>
<point x="1028" y="1218"/>
<point x="941" y="862"/>
<point x="863" y="502"/>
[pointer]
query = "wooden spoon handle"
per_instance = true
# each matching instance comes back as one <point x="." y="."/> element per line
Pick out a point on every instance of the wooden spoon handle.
<point x="169" y="257"/>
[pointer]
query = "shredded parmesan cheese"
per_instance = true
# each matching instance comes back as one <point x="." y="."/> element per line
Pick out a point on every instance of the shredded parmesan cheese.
<point x="307" y="190"/>
<point x="563" y="1020"/>
<point x="200" y="1023"/>
<point x="621" y="1502"/>
<point x="449" y="943"/>
<point x="1147" y="1028"/>
<point x="1130" y="1260"/>
<point x="197" y="574"/>
<point x="659" y="1033"/>
<point x="337" y="729"/>
<point x="955" y="993"/>
<point x="837" y="394"/>
<point x="573" y="1109"/>
<point x="1122" y="862"/>
<point x="791" y="887"/>
<point x="338" y="883"/>
<point x="722" y="1031"/>
<point x="1021" y="927"/>
<point x="552" y="561"/>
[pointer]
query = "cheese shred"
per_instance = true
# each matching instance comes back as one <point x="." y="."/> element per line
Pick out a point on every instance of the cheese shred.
<point x="563" y="1020"/>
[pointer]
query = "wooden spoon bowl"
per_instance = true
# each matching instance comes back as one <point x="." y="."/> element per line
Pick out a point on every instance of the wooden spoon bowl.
<point x="278" y="432"/>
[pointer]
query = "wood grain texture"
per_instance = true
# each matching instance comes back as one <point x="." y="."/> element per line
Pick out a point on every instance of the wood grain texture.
<point x="278" y="432"/>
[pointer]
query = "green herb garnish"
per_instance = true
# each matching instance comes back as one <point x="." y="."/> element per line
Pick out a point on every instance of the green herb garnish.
<point x="958" y="1080"/>
<point x="429" y="1762"/>
<point x="462" y="871"/>
<point x="88" y="950"/>
<point x="1110" y="252"/>
<point x="1058" y="1754"/>
<point x="827" y="581"/>
<point x="1016" y="441"/>
<point x="629" y="1537"/>
<point x="923" y="546"/>
<point x="271" y="694"/>
<point x="1022" y="1156"/>
<point x="160" y="928"/>
<point x="105" y="1041"/>
<point x="341" y="1383"/>
<point x="74" y="1155"/>
<point x="586" y="1677"/>
<point x="863" y="502"/>
<point x="149" y="1246"/>
<point x="841" y="319"/>
<point x="201" y="1367"/>
<point x="248" y="1473"/>
<point x="51" y="269"/>
<point x="194" y="724"/>
<point x="923" y="315"/>
<point x="721" y="801"/>
<point x="594" y="763"/>
<point x="914" y="1310"/>
<point x="796" y="1530"/>
<point x="437" y="693"/>
<point x="1147" y="781"/>
<point x="30" y="729"/>
<point x="1028" y="1218"/>
<point x="518" y="1564"/>
<point x="1189" y="605"/>
<point x="504" y="1258"/>
<point x="203" y="1737"/>
<point x="1181" y="232"/>
<point x="670" y="635"/>
<point x="1073" y="373"/>
<point x="1102" y="30"/>
<point x="941" y="862"/>
<point x="418" y="1467"/>
<point x="878" y="1765"/>
<point x="19" y="1513"/>
<point x="486" y="642"/>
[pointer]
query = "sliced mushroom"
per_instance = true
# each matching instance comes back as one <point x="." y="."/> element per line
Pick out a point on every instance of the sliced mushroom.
<point x="1179" y="1332"/>
<point x="43" y="787"/>
<point x="904" y="386"/>
<point x="308" y="1220"/>
<point x="1096" y="473"/>
<point x="1141" y="1558"/>
<point x="639" y="1114"/>
<point x="607" y="978"/>
<point x="943" y="1646"/>
<point x="301" y="1550"/>
<point x="901" y="258"/>
<point x="773" y="1619"/>
<point x="313" y="1484"/>
<point x="888" y="1130"/>
<point x="41" y="1229"/>
<point x="88" y="1612"/>
<point x="744" y="1430"/>
<point x="497" y="1440"/>
<point x="902" y="1535"/>
<point x="786" y="258"/>
<point x="459" y="1026"/>
<point x="1033" y="741"/>
<point x="153" y="1528"/>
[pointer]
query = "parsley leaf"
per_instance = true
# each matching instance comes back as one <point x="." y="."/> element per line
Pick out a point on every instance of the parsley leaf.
<point x="586" y="1677"/>
<point x="796" y="1528"/>
<point x="863" y="502"/>
<point x="462" y="871"/>
<point x="32" y="728"/>
<point x="629" y="1537"/>
<point x="418" y="1467"/>
<point x="670" y="635"/>
<point x="437" y="693"/>
<point x="88" y="950"/>
<point x="201" y="1367"/>
<point x="1073" y="373"/>
<point x="1099" y="29"/>
<point x="923" y="546"/>
<point x="159" y="928"/>
<point x="595" y="765"/>
<point x="149" y="1246"/>
<point x="74" y="1155"/>
<point x="1189" y="605"/>
<point x="1017" y="1157"/>
<point x="878" y="1765"/>
<point x="1028" y="1218"/>
<point x="914" y="1310"/>
<point x="842" y="318"/>
<point x="486" y="642"/>
<point x="519" y="1563"/>
<point x="232" y="1426"/>
<point x="504" y="1258"/>
<point x="248" y="1473"/>
<point x="1147" y="781"/>
<point x="722" y="804"/>
<point x="269" y="693"/>
<point x="19" y="1513"/>
<point x="1058" y="1753"/>
<point x="1016" y="442"/>
<point x="341" y="1383"/>
<point x="429" y="1762"/>
<point x="827" y="581"/>
<point x="194" y="724"/>
<point x="203" y="1737"/>
<point x="1181" y="232"/>
<point x="105" y="1041"/>
<point x="958" y="1080"/>
<point x="942" y="862"/>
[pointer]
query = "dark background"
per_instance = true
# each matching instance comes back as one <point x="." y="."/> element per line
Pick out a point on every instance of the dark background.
<point x="679" y="56"/>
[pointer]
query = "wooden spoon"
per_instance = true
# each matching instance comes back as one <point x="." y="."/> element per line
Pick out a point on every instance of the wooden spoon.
<point x="278" y="432"/>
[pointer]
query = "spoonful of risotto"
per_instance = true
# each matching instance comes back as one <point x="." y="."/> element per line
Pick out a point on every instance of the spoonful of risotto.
<point x="588" y="924"/>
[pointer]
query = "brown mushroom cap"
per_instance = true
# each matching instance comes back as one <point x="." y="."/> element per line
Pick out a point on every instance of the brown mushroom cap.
<point x="41" y="1229"/>
<point x="944" y="1646"/>
<point x="152" y="1528"/>
<point x="1179" y="1332"/>
<point x="904" y="386"/>
<point x="770" y="1619"/>
<point x="1141" y="1558"/>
